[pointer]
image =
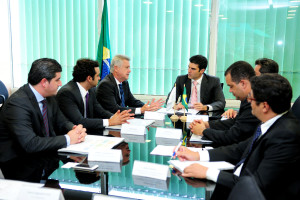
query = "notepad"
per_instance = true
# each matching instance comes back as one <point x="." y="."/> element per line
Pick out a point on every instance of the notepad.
<point x="221" y="165"/>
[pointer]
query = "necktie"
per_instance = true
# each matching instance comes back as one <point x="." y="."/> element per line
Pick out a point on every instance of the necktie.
<point x="86" y="104"/>
<point x="45" y="117"/>
<point x="194" y="93"/>
<point x="122" y="95"/>
<point x="256" y="136"/>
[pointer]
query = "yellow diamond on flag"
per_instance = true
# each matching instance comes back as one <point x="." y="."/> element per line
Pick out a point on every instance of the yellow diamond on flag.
<point x="106" y="53"/>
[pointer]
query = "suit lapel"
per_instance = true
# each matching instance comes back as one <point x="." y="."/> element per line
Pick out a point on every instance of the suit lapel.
<point x="36" y="108"/>
<point x="202" y="89"/>
<point x="116" y="88"/>
<point x="77" y="96"/>
<point x="188" y="89"/>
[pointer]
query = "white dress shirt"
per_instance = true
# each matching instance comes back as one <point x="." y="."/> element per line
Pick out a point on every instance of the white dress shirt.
<point x="83" y="93"/>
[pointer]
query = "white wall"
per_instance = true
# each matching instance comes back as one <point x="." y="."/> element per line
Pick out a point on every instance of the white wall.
<point x="5" y="50"/>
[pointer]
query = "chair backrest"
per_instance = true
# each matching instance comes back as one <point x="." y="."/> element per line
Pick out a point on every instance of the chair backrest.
<point x="246" y="189"/>
<point x="296" y="108"/>
<point x="3" y="92"/>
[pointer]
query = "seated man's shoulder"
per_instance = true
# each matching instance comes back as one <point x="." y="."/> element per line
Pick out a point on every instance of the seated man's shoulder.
<point x="213" y="78"/>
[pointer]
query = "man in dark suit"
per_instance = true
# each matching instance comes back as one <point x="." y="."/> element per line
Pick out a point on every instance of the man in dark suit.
<point x="272" y="155"/>
<point x="31" y="120"/>
<point x="204" y="92"/>
<point x="77" y="100"/>
<point x="265" y="65"/>
<point x="114" y="94"/>
<point x="262" y="66"/>
<point x="225" y="132"/>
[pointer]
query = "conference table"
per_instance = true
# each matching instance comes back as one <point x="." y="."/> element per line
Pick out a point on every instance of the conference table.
<point x="47" y="167"/>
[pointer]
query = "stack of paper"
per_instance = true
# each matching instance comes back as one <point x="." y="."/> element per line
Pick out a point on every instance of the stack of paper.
<point x="198" y="139"/>
<point x="134" y="122"/>
<point x="162" y="150"/>
<point x="107" y="160"/>
<point x="221" y="165"/>
<point x="168" y="136"/>
<point x="92" y="143"/>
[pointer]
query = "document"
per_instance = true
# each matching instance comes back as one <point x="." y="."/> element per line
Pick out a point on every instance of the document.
<point x="154" y="115"/>
<point x="191" y="118"/>
<point x="107" y="155"/>
<point x="221" y="165"/>
<point x="162" y="150"/>
<point x="15" y="190"/>
<point x="198" y="139"/>
<point x="171" y="133"/>
<point x="151" y="174"/>
<point x="135" y="122"/>
<point x="92" y="143"/>
<point x="133" y="129"/>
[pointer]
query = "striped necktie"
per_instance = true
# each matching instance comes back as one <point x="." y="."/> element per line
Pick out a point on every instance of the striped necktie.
<point x="45" y="117"/>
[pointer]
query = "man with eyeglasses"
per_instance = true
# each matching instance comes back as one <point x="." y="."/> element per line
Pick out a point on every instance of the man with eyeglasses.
<point x="271" y="155"/>
<point x="226" y="132"/>
<point x="204" y="92"/>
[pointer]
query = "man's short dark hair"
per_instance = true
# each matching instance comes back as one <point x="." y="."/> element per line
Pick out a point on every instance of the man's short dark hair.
<point x="200" y="60"/>
<point x="240" y="70"/>
<point x="43" y="68"/>
<point x="273" y="89"/>
<point x="267" y="65"/>
<point x="83" y="69"/>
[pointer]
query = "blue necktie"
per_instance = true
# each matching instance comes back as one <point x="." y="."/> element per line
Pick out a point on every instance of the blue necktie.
<point x="122" y="95"/>
<point x="256" y="136"/>
<point x="45" y="117"/>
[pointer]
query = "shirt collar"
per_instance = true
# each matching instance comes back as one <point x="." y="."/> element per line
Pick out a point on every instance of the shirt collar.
<point x="37" y="95"/>
<point x="199" y="80"/>
<point x="83" y="91"/>
<point x="118" y="82"/>
<point x="265" y="126"/>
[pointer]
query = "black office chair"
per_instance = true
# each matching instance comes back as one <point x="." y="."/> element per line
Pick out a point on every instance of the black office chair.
<point x="296" y="108"/>
<point x="246" y="189"/>
<point x="3" y="92"/>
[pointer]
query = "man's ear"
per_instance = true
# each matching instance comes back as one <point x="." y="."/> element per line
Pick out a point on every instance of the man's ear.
<point x="44" y="82"/>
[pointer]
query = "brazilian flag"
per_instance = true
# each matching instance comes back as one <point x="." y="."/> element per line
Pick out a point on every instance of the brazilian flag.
<point x="103" y="54"/>
<point x="184" y="99"/>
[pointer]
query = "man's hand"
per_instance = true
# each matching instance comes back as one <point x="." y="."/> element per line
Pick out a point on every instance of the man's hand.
<point x="178" y="107"/>
<point x="197" y="127"/>
<point x="77" y="134"/>
<point x="184" y="153"/>
<point x="230" y="113"/>
<point x="195" y="170"/>
<point x="120" y="117"/>
<point x="200" y="106"/>
<point x="153" y="106"/>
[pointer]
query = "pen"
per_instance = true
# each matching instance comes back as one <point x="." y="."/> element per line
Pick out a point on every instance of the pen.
<point x="176" y="149"/>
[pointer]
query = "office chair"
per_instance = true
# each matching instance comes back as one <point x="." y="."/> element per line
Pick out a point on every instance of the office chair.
<point x="296" y="108"/>
<point x="3" y="93"/>
<point x="246" y="189"/>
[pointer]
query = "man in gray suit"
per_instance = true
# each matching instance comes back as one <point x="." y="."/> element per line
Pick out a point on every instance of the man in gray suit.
<point x="204" y="92"/>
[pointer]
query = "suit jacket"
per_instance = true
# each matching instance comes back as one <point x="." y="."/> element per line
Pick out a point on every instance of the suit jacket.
<point x="233" y="130"/>
<point x="274" y="160"/>
<point x="22" y="127"/>
<point x="108" y="95"/>
<point x="71" y="104"/>
<point x="211" y="92"/>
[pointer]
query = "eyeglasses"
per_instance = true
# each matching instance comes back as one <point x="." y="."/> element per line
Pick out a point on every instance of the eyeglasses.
<point x="250" y="99"/>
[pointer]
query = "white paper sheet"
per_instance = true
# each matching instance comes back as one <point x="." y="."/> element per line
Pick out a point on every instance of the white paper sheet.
<point x="92" y="143"/>
<point x="221" y="165"/>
